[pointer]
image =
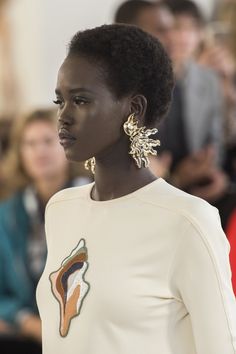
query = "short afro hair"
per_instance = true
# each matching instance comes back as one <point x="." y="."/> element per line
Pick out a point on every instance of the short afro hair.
<point x="134" y="62"/>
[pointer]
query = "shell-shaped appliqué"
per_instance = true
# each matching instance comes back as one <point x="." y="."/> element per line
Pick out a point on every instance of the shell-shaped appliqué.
<point x="69" y="287"/>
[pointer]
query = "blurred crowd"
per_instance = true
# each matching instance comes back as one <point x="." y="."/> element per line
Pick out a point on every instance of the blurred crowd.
<point x="197" y="152"/>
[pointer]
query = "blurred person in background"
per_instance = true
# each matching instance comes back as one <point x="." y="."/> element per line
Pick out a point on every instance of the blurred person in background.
<point x="226" y="14"/>
<point x="193" y="131"/>
<point x="218" y="52"/>
<point x="154" y="18"/>
<point x="35" y="169"/>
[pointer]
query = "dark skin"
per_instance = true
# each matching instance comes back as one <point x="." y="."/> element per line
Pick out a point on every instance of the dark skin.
<point x="90" y="112"/>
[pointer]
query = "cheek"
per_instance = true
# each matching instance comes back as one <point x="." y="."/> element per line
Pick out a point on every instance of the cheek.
<point x="189" y="40"/>
<point x="29" y="164"/>
<point x="96" y="128"/>
<point x="46" y="159"/>
<point x="101" y="125"/>
<point x="28" y="159"/>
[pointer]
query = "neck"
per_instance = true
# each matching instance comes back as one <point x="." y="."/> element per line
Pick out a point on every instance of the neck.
<point x="49" y="186"/>
<point x="117" y="175"/>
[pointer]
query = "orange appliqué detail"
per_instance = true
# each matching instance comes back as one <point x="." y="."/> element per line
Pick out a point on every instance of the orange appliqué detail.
<point x="69" y="286"/>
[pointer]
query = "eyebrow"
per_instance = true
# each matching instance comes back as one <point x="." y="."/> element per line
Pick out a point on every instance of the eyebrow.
<point x="75" y="90"/>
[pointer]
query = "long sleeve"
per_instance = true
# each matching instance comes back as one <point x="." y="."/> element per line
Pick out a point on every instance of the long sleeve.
<point x="201" y="279"/>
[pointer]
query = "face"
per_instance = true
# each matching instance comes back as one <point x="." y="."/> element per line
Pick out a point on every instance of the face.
<point x="42" y="155"/>
<point x="185" y="39"/>
<point x="158" y="22"/>
<point x="90" y="116"/>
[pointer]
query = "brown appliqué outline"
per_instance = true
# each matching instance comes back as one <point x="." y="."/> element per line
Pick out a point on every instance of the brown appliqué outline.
<point x="53" y="282"/>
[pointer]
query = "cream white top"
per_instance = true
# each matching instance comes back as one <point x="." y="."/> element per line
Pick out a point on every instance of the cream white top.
<point x="147" y="272"/>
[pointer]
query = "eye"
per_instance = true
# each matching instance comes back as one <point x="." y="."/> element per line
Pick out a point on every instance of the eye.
<point x="57" y="102"/>
<point x="80" y="101"/>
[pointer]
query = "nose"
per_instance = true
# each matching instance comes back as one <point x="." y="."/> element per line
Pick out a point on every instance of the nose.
<point x="65" y="117"/>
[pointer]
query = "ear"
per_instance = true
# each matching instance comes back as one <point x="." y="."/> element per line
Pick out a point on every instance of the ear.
<point x="138" y="106"/>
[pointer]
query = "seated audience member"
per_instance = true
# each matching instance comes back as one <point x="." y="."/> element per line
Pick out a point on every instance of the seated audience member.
<point x="218" y="53"/>
<point x="35" y="169"/>
<point x="154" y="18"/>
<point x="196" y="115"/>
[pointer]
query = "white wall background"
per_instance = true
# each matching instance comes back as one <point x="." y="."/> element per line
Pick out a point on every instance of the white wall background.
<point x="41" y="30"/>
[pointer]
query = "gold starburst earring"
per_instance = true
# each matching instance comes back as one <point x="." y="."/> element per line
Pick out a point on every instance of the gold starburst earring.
<point x="90" y="164"/>
<point x="141" y="145"/>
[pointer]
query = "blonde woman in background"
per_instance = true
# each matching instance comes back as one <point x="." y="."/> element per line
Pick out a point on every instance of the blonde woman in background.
<point x="35" y="169"/>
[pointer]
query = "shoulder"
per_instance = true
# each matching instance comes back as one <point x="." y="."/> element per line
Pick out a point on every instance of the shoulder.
<point x="186" y="207"/>
<point x="68" y="194"/>
<point x="201" y="223"/>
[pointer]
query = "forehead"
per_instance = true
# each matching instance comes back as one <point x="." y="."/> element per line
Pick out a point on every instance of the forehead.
<point x="41" y="125"/>
<point x="156" y="16"/>
<point x="186" y="20"/>
<point x="79" y="72"/>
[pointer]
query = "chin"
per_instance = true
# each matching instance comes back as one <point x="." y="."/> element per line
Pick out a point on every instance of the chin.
<point x="75" y="157"/>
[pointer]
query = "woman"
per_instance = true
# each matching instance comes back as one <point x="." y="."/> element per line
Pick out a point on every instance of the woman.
<point x="134" y="264"/>
<point x="35" y="169"/>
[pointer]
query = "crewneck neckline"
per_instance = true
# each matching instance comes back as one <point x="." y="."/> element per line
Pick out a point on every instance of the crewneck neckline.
<point x="124" y="197"/>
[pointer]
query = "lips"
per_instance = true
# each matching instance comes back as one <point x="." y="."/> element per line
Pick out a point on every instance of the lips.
<point x="66" y="139"/>
<point x="64" y="134"/>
